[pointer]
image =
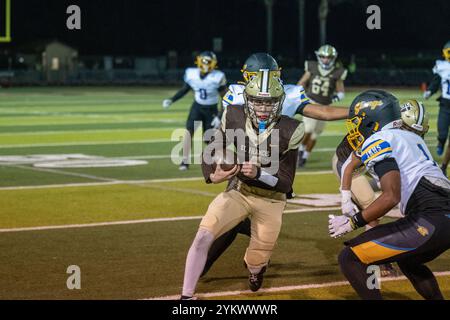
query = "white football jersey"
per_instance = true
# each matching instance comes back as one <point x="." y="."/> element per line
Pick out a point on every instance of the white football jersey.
<point x="206" y="90"/>
<point x="413" y="158"/>
<point x="295" y="97"/>
<point x="442" y="68"/>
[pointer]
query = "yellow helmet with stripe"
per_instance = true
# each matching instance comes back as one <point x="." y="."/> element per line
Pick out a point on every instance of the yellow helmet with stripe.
<point x="206" y="61"/>
<point x="446" y="51"/>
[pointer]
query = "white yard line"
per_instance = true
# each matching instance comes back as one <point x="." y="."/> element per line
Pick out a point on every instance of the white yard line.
<point x="286" y="288"/>
<point x="151" y="220"/>
<point x="82" y="143"/>
<point x="110" y="181"/>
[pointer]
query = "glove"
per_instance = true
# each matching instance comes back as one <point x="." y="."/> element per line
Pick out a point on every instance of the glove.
<point x="348" y="208"/>
<point x="339" y="225"/>
<point x="216" y="122"/>
<point x="427" y="94"/>
<point x="166" y="103"/>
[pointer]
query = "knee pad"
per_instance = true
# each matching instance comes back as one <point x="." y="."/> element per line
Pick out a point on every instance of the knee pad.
<point x="203" y="239"/>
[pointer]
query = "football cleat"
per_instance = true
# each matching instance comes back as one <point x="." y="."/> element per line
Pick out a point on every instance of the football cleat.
<point x="388" y="270"/>
<point x="439" y="149"/>
<point x="290" y="195"/>
<point x="183" y="166"/>
<point x="188" y="298"/>
<point x="255" y="280"/>
<point x="301" y="162"/>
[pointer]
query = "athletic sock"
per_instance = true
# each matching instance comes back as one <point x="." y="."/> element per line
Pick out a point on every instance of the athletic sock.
<point x="305" y="154"/>
<point x="195" y="261"/>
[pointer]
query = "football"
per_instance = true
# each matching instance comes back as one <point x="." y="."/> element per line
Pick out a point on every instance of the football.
<point x="226" y="159"/>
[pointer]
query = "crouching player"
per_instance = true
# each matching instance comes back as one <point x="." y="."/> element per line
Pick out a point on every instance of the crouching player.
<point x="408" y="174"/>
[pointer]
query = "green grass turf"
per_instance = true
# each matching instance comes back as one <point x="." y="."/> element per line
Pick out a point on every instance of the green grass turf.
<point x="141" y="260"/>
<point x="147" y="260"/>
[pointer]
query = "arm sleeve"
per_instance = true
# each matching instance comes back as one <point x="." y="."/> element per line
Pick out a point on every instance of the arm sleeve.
<point x="384" y="166"/>
<point x="303" y="100"/>
<point x="435" y="83"/>
<point x="286" y="171"/>
<point x="218" y="142"/>
<point x="181" y="93"/>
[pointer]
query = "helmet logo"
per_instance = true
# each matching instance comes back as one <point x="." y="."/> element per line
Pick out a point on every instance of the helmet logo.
<point x="367" y="104"/>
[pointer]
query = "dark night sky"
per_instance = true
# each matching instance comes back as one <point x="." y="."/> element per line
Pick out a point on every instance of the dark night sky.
<point x="155" y="26"/>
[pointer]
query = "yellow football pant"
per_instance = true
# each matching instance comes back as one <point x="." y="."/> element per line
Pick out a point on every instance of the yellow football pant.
<point x="231" y="207"/>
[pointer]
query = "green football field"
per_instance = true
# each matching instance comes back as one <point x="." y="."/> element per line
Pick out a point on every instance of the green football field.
<point x="86" y="179"/>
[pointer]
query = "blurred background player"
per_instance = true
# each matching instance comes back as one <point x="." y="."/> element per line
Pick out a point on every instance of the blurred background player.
<point x="441" y="80"/>
<point x="324" y="84"/>
<point x="295" y="102"/>
<point x="208" y="85"/>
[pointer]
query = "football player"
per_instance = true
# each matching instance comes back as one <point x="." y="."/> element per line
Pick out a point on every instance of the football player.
<point x="208" y="85"/>
<point x="441" y="80"/>
<point x="355" y="187"/>
<point x="357" y="192"/>
<point x="295" y="102"/>
<point x="258" y="187"/>
<point x="402" y="163"/>
<point x="324" y="83"/>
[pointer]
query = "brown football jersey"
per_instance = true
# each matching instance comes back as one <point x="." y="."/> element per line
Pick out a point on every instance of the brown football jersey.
<point x="321" y="85"/>
<point x="274" y="149"/>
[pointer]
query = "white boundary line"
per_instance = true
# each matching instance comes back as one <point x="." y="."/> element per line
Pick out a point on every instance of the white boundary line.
<point x="285" y="288"/>
<point x="114" y="181"/>
<point x="151" y="220"/>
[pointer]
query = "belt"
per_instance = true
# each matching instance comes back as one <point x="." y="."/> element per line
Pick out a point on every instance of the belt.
<point x="247" y="190"/>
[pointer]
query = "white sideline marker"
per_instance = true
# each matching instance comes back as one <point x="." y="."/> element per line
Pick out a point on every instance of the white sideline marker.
<point x="151" y="220"/>
<point x="285" y="288"/>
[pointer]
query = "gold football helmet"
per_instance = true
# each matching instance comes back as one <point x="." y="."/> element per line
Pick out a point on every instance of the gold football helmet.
<point x="264" y="95"/>
<point x="326" y="56"/>
<point x="414" y="117"/>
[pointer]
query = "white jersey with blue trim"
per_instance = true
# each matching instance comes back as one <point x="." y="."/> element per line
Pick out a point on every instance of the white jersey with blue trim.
<point x="295" y="97"/>
<point x="413" y="158"/>
<point x="442" y="68"/>
<point x="206" y="89"/>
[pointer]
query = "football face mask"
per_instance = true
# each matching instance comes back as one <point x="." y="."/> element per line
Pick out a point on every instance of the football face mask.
<point x="326" y="56"/>
<point x="263" y="110"/>
<point x="206" y="62"/>
<point x="263" y="95"/>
